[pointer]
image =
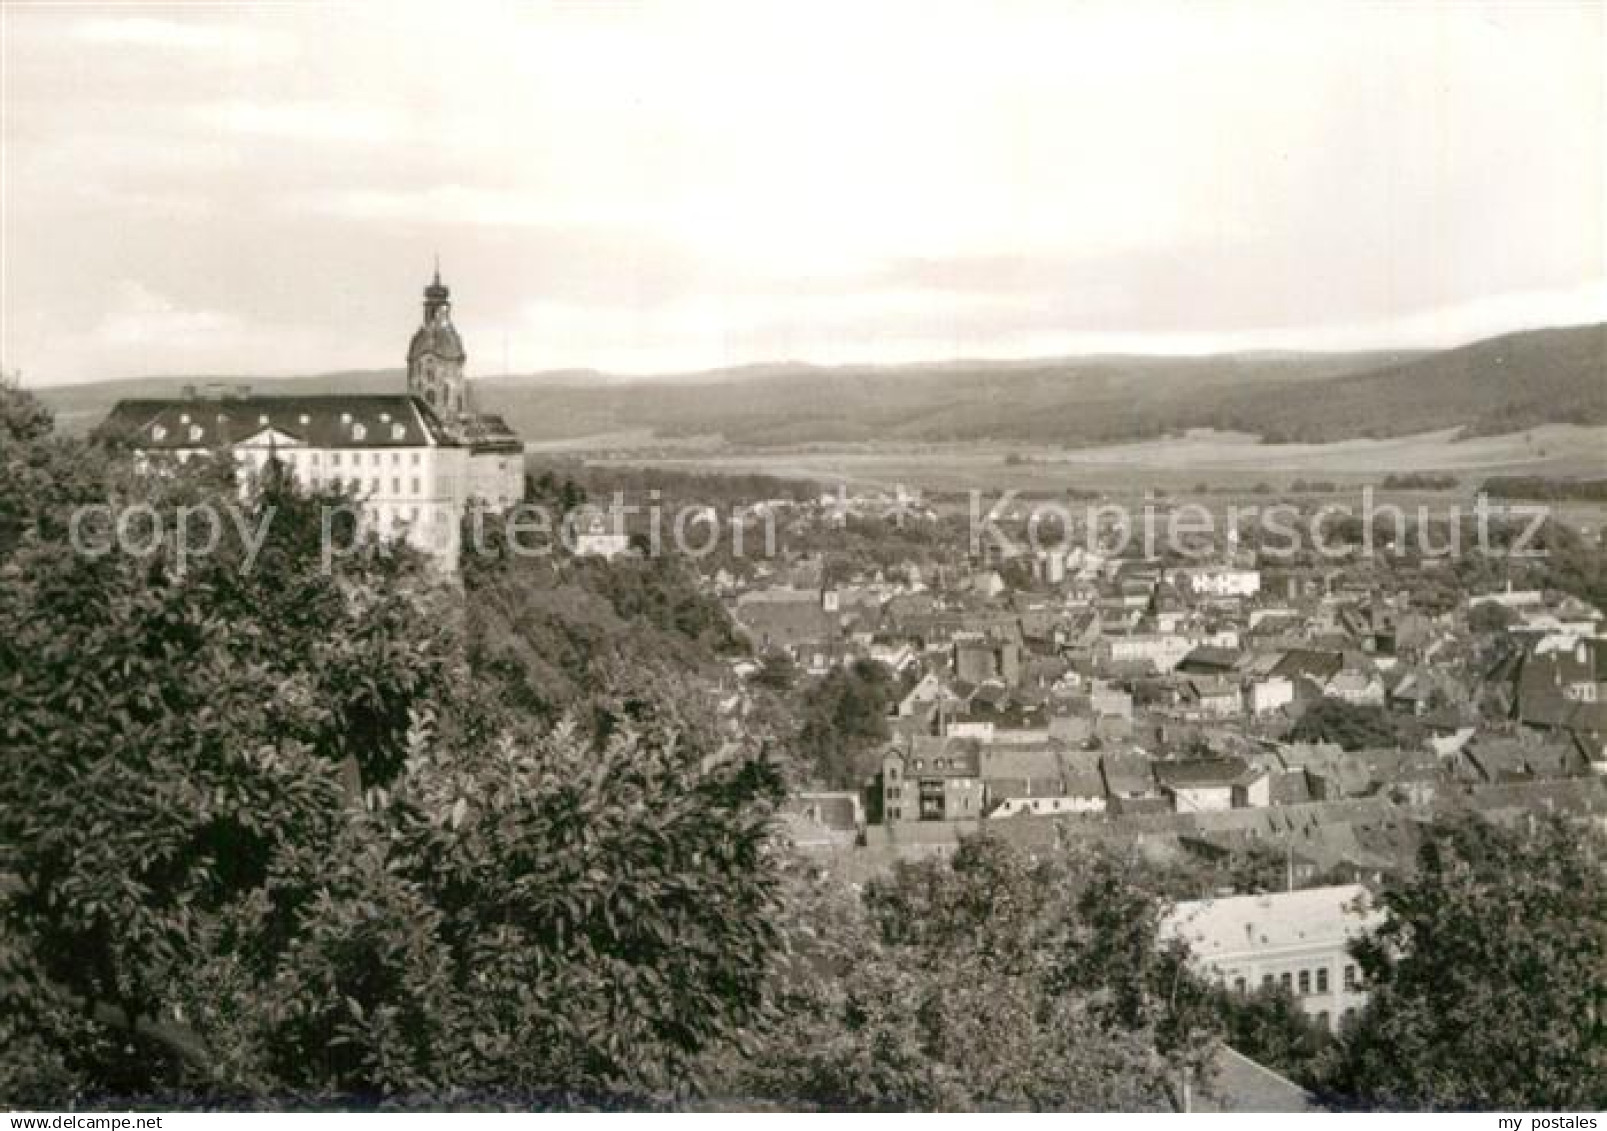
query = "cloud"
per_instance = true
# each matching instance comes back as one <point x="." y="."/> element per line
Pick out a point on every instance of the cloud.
<point x="199" y="37"/>
<point x="676" y="186"/>
<point x="461" y="205"/>
<point x="142" y="319"/>
<point x="306" y="121"/>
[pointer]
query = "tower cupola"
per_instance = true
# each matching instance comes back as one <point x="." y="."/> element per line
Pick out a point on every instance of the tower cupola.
<point x="435" y="357"/>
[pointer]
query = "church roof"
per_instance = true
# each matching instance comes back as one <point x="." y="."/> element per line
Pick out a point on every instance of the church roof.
<point x="364" y="421"/>
<point x="488" y="432"/>
<point x="440" y="340"/>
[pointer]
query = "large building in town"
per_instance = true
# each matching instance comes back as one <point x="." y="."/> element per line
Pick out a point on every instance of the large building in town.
<point x="414" y="460"/>
<point x="1296" y="939"/>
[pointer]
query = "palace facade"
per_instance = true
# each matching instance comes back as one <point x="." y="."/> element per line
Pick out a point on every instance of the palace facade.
<point x="414" y="460"/>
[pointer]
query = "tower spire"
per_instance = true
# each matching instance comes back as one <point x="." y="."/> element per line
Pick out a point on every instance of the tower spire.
<point x="438" y="268"/>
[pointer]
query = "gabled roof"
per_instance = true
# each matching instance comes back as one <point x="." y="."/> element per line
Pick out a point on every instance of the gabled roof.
<point x="359" y="421"/>
<point x="1208" y="658"/>
<point x="1127" y="771"/>
<point x="488" y="432"/>
<point x="1320" y="665"/>
<point x="1198" y="773"/>
<point x="1242" y="1084"/>
<point x="931" y="756"/>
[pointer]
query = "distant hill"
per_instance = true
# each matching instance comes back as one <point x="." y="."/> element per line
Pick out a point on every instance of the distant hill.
<point x="1503" y="384"/>
<point x="1508" y="383"/>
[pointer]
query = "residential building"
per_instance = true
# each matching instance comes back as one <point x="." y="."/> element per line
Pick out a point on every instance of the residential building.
<point x="931" y="778"/>
<point x="1203" y="785"/>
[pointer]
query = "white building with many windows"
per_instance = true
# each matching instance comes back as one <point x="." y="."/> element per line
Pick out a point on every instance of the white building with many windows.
<point x="413" y="460"/>
<point x="1296" y="939"/>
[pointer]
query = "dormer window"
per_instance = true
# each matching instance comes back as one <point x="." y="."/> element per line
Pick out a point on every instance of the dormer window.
<point x="195" y="432"/>
<point x="398" y="432"/>
<point x="384" y="418"/>
<point x="158" y="432"/>
<point x="358" y="431"/>
<point x="304" y="419"/>
<point x="263" y="419"/>
<point x="345" y="418"/>
<point x="184" y="418"/>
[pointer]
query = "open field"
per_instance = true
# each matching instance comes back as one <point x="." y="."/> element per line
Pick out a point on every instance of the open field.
<point x="1223" y="461"/>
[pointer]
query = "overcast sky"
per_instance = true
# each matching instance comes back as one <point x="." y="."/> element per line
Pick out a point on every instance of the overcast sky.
<point x="653" y="187"/>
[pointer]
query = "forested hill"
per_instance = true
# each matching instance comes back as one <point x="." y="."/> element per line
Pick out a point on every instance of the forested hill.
<point x="1497" y="385"/>
<point x="1507" y="383"/>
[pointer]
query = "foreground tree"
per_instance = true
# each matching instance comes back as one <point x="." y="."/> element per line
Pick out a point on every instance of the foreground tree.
<point x="843" y="720"/>
<point x="984" y="982"/>
<point x="261" y="836"/>
<point x="1488" y="977"/>
<point x="1269" y="1027"/>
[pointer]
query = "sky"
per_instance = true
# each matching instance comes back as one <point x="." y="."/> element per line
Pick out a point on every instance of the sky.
<point x="658" y="187"/>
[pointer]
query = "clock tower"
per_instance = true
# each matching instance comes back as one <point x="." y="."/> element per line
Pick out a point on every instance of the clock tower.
<point x="435" y="357"/>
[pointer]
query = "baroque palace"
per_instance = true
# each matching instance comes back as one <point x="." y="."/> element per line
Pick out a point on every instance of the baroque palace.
<point x="413" y="460"/>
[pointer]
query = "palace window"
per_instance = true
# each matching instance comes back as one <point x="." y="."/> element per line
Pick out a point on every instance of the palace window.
<point x="1322" y="979"/>
<point x="415" y="459"/>
<point x="1350" y="977"/>
<point x="1286" y="981"/>
<point x="1305" y="982"/>
<point x="396" y="486"/>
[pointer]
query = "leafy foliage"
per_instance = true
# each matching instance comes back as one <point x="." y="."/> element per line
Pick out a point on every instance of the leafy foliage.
<point x="1487" y="977"/>
<point x="23" y="417"/>
<point x="1269" y="1027"/>
<point x="843" y="718"/>
<point x="1353" y="726"/>
<point x="992" y="980"/>
<point x="263" y="837"/>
